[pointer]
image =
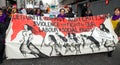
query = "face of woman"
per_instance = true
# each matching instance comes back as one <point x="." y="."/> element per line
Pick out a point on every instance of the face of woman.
<point x="38" y="12"/>
<point x="101" y="26"/>
<point x="117" y="12"/>
<point x="62" y="12"/>
<point x="25" y="27"/>
<point x="1" y="13"/>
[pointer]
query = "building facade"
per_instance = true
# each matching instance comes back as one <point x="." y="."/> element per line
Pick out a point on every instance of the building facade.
<point x="2" y="3"/>
<point x="98" y="7"/>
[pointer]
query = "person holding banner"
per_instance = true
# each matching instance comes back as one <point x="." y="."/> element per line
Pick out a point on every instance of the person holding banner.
<point x="70" y="13"/>
<point x="3" y="26"/>
<point x="88" y="13"/>
<point x="62" y="13"/>
<point x="116" y="20"/>
<point x="38" y="12"/>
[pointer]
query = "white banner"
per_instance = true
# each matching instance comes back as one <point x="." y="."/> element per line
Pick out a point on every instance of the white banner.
<point x="30" y="36"/>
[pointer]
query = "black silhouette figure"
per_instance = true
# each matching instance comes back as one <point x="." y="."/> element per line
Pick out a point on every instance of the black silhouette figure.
<point x="109" y="44"/>
<point x="93" y="41"/>
<point x="104" y="28"/>
<point x="66" y="44"/>
<point x="83" y="45"/>
<point x="27" y="47"/>
<point x="76" y="45"/>
<point x="54" y="45"/>
<point x="61" y="37"/>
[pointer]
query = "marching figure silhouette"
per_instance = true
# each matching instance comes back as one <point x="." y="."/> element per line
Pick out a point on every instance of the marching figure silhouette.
<point x="54" y="45"/>
<point x="27" y="47"/>
<point x="76" y="44"/>
<point x="66" y="44"/>
<point x="93" y="41"/>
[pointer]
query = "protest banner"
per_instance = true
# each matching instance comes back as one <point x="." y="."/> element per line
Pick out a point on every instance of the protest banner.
<point x="30" y="36"/>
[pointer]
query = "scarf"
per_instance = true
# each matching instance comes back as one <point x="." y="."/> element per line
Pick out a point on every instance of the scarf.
<point x="115" y="17"/>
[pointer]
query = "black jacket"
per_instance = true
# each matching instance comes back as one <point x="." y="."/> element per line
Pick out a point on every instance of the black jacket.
<point x="69" y="15"/>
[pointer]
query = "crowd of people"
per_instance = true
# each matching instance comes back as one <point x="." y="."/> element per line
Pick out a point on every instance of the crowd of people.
<point x="6" y="14"/>
<point x="62" y="12"/>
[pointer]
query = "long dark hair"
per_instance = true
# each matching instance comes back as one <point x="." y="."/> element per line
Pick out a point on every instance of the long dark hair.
<point x="62" y="37"/>
<point x="117" y="8"/>
<point x="74" y="36"/>
<point x="53" y="38"/>
<point x="104" y="28"/>
<point x="29" y="27"/>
